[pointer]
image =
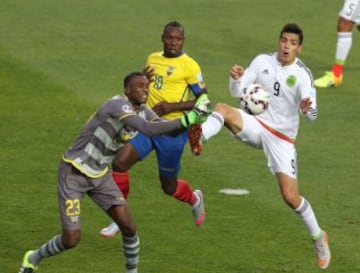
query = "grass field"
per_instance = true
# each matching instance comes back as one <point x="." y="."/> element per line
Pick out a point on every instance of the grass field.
<point x="59" y="60"/>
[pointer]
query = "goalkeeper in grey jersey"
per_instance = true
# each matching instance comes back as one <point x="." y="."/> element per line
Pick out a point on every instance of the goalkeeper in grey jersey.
<point x="84" y="168"/>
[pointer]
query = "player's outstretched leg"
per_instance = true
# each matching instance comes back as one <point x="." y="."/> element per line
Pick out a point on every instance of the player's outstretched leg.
<point x="199" y="208"/>
<point x="322" y="250"/>
<point x="26" y="266"/>
<point x="328" y="80"/>
<point x="195" y="135"/>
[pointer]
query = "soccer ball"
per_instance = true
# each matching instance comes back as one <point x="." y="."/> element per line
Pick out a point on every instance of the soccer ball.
<point x="254" y="99"/>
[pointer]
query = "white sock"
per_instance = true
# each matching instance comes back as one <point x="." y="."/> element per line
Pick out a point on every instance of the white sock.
<point x="212" y="125"/>
<point x="307" y="215"/>
<point x="343" y="45"/>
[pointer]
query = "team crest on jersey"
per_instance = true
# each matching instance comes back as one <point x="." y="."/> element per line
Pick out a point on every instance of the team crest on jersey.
<point x="126" y="108"/>
<point x="170" y="70"/>
<point x="291" y="80"/>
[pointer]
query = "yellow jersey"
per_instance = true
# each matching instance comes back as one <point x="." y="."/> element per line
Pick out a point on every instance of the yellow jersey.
<point x="173" y="81"/>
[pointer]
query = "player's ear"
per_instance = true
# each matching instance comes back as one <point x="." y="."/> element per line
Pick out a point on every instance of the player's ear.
<point x="300" y="48"/>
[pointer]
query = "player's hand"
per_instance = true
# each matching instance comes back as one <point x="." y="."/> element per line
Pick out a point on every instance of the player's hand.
<point x="163" y="108"/>
<point x="149" y="72"/>
<point x="203" y="104"/>
<point x="193" y="117"/>
<point x="199" y="114"/>
<point x="305" y="105"/>
<point x="236" y="71"/>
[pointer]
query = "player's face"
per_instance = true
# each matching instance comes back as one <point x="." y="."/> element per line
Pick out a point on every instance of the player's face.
<point x="138" y="90"/>
<point x="173" y="40"/>
<point x="289" y="47"/>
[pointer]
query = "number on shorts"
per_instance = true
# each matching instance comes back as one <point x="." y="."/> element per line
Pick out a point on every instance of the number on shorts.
<point x="350" y="11"/>
<point x="72" y="207"/>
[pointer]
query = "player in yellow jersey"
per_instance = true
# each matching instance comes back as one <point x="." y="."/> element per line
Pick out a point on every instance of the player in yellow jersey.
<point x="176" y="81"/>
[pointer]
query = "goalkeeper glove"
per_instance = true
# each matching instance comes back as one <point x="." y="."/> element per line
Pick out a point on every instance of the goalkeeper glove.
<point x="192" y="117"/>
<point x="199" y="114"/>
<point x="203" y="104"/>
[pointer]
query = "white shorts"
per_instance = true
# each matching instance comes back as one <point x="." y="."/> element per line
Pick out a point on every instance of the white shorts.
<point x="351" y="11"/>
<point x="280" y="154"/>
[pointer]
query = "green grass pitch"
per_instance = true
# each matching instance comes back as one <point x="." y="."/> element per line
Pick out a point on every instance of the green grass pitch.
<point x="59" y="60"/>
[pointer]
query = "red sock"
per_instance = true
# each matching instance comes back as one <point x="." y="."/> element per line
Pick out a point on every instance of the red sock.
<point x="337" y="69"/>
<point x="184" y="193"/>
<point x="123" y="182"/>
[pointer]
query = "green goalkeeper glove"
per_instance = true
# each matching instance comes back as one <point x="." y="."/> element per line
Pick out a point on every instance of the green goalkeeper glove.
<point x="192" y="117"/>
<point x="199" y="114"/>
<point x="203" y="104"/>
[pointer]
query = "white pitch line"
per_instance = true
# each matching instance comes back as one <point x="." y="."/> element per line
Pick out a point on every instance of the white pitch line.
<point x="235" y="191"/>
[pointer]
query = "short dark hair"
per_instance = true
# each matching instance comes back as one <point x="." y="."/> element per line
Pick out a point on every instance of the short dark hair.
<point x="293" y="28"/>
<point x="130" y="76"/>
<point x="173" y="24"/>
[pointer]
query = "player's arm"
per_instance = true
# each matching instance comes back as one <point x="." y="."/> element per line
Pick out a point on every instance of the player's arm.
<point x="195" y="83"/>
<point x="197" y="91"/>
<point x="163" y="108"/>
<point x="236" y="85"/>
<point x="240" y="78"/>
<point x="198" y="114"/>
<point x="152" y="128"/>
<point x="308" y="105"/>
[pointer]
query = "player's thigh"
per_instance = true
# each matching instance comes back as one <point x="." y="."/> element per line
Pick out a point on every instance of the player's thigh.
<point x="280" y="154"/>
<point x="105" y="192"/>
<point x="232" y="117"/>
<point x="251" y="130"/>
<point x="169" y="151"/>
<point x="125" y="158"/>
<point x="351" y="11"/>
<point x="142" y="144"/>
<point x="72" y="186"/>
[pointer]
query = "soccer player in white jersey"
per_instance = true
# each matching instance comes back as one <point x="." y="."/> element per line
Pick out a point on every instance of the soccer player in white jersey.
<point x="84" y="169"/>
<point x="349" y="16"/>
<point x="292" y="91"/>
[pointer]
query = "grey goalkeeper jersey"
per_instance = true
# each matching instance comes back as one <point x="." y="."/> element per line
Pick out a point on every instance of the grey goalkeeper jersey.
<point x="111" y="126"/>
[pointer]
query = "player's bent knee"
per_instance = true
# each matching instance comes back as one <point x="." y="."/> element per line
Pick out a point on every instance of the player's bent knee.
<point x="70" y="239"/>
<point x="221" y="107"/>
<point x="225" y="110"/>
<point x="344" y="25"/>
<point x="292" y="201"/>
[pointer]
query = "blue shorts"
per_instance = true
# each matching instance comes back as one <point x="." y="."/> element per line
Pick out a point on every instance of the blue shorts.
<point x="168" y="150"/>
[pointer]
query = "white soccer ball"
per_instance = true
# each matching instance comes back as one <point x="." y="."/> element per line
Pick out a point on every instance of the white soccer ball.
<point x="254" y="99"/>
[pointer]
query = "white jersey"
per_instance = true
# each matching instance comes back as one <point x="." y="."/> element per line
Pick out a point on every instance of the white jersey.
<point x="288" y="85"/>
<point x="351" y="11"/>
